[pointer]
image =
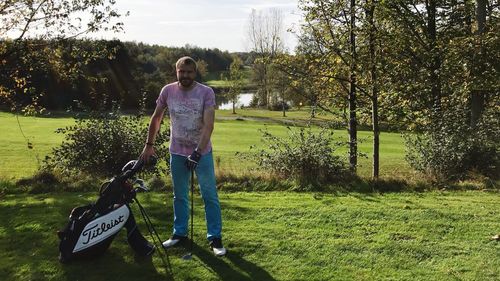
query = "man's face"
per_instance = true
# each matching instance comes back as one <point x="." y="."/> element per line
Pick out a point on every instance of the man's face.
<point x="186" y="75"/>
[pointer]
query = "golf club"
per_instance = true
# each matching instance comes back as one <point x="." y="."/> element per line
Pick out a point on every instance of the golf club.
<point x="189" y="255"/>
<point x="154" y="236"/>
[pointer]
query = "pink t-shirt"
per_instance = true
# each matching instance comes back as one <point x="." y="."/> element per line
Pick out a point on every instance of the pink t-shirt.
<point x="186" y="109"/>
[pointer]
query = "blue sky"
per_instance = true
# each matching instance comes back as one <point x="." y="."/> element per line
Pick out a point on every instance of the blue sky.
<point x="209" y="24"/>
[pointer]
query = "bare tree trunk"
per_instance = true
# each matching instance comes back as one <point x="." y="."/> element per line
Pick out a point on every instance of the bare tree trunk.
<point x="374" y="95"/>
<point x="265" y="36"/>
<point x="477" y="95"/>
<point x="283" y="104"/>
<point x="435" y="60"/>
<point x="353" y="146"/>
<point x="313" y="107"/>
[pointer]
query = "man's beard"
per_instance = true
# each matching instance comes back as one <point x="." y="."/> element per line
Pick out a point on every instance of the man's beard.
<point x="186" y="82"/>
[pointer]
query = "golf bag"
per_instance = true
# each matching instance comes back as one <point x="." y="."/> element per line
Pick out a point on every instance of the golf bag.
<point x="92" y="228"/>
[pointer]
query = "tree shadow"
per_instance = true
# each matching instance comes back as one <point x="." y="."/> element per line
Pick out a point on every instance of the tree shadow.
<point x="29" y="240"/>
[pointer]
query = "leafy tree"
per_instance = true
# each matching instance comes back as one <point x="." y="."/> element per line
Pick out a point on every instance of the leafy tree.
<point x="202" y="69"/>
<point x="330" y="46"/>
<point x="78" y="70"/>
<point x="439" y="69"/>
<point x="235" y="81"/>
<point x="47" y="22"/>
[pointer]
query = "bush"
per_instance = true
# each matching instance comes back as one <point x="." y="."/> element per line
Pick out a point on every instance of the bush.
<point x="306" y="156"/>
<point x="156" y="184"/>
<point x="102" y="144"/>
<point x="450" y="149"/>
<point x="41" y="182"/>
<point x="278" y="106"/>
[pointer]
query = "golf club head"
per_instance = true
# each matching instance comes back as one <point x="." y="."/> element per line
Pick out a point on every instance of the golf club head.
<point x="188" y="256"/>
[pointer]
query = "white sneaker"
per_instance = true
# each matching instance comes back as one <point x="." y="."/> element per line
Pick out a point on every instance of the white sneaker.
<point x="217" y="248"/>
<point x="173" y="240"/>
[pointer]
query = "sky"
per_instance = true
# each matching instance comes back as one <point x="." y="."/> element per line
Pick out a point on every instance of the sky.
<point x="218" y="24"/>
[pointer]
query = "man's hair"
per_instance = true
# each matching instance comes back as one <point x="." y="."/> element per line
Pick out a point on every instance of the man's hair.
<point x="186" y="61"/>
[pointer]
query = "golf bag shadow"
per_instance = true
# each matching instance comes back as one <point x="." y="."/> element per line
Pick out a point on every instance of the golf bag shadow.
<point x="92" y="228"/>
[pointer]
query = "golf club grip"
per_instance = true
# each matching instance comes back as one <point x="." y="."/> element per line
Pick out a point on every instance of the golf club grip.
<point x="140" y="164"/>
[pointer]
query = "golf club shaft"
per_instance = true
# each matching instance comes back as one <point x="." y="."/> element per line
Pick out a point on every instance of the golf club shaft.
<point x="192" y="209"/>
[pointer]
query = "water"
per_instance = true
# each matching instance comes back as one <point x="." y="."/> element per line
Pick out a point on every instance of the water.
<point x="244" y="99"/>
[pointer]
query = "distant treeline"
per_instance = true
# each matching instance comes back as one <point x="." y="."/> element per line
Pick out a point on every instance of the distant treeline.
<point x="97" y="74"/>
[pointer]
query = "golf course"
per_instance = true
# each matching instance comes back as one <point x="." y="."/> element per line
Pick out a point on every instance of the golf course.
<point x="277" y="140"/>
<point x="438" y="234"/>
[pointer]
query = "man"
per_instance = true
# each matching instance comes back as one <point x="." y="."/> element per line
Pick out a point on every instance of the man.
<point x="191" y="108"/>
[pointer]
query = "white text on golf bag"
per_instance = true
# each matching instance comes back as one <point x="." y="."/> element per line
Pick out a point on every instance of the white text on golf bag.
<point x="101" y="228"/>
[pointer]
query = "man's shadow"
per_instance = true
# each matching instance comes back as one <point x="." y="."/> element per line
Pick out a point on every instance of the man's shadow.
<point x="220" y="266"/>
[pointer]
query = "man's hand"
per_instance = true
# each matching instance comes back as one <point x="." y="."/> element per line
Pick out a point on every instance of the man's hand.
<point x="192" y="160"/>
<point x="146" y="154"/>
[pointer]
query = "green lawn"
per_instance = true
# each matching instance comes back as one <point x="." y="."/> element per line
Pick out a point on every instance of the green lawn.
<point x="230" y="136"/>
<point x="276" y="236"/>
<point x="18" y="160"/>
<point x="303" y="115"/>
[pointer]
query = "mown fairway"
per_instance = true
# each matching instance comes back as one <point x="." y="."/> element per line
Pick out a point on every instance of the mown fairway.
<point x="230" y="136"/>
<point x="276" y="236"/>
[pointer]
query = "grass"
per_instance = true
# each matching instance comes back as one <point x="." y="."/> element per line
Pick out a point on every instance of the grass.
<point x="230" y="136"/>
<point x="276" y="236"/>
<point x="213" y="79"/>
<point x="303" y="115"/>
<point x="40" y="132"/>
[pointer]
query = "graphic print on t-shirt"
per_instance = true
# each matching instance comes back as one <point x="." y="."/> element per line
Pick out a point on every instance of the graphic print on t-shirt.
<point x="186" y="116"/>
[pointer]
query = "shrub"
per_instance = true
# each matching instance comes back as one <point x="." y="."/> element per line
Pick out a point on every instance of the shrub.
<point x="102" y="144"/>
<point x="305" y="155"/>
<point x="450" y="149"/>
<point x="278" y="106"/>
<point x="156" y="183"/>
<point x="41" y="182"/>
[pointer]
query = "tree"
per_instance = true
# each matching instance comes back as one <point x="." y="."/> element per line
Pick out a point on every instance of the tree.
<point x="202" y="67"/>
<point x="265" y="36"/>
<point x="477" y="95"/>
<point x="28" y="30"/>
<point x="332" y="29"/>
<point x="235" y="81"/>
<point x="438" y="69"/>
<point x="374" y="88"/>
<point x="353" y="131"/>
<point x="282" y="86"/>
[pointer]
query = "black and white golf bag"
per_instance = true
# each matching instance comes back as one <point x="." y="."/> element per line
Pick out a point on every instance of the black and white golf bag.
<point x="92" y="228"/>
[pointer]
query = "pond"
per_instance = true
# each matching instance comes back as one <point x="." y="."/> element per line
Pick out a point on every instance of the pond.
<point x="243" y="100"/>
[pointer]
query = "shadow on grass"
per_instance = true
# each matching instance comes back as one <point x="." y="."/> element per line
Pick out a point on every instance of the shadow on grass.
<point x="246" y="270"/>
<point x="29" y="245"/>
<point x="113" y="265"/>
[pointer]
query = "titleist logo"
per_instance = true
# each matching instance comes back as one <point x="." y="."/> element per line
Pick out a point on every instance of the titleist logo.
<point x="96" y="231"/>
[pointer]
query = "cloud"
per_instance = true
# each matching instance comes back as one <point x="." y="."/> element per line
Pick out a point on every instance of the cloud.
<point x="202" y="22"/>
<point x="264" y="5"/>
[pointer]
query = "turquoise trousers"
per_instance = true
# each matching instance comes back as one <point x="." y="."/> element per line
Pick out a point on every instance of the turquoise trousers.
<point x="181" y="177"/>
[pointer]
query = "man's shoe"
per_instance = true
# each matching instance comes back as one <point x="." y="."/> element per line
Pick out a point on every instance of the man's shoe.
<point x="173" y="240"/>
<point x="217" y="248"/>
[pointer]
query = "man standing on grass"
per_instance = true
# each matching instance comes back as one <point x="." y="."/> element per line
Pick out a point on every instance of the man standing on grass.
<point x="191" y="107"/>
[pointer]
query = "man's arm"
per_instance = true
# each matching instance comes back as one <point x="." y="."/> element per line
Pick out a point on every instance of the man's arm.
<point x="208" y="127"/>
<point x="154" y="126"/>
